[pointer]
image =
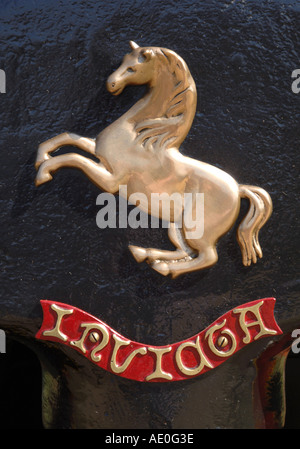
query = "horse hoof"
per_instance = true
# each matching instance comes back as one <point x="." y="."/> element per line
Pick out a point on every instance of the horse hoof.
<point x="42" y="178"/>
<point x="40" y="159"/>
<point x="139" y="253"/>
<point x="161" y="267"/>
<point x="42" y="154"/>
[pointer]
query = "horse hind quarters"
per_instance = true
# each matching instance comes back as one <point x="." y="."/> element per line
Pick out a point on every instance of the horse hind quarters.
<point x="180" y="261"/>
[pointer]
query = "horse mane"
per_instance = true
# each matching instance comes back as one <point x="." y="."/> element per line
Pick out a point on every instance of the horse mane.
<point x="171" y="128"/>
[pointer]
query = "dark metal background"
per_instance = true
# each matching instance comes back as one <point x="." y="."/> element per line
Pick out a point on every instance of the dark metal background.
<point x="57" y="56"/>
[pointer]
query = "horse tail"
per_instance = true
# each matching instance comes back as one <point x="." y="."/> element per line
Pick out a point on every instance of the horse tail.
<point x="259" y="212"/>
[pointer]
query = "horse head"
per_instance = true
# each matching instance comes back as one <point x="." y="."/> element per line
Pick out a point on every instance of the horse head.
<point x="138" y="67"/>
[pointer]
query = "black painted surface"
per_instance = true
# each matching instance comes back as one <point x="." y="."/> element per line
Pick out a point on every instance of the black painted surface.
<point x="57" y="56"/>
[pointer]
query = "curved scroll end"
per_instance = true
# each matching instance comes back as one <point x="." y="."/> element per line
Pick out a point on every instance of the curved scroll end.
<point x="133" y="45"/>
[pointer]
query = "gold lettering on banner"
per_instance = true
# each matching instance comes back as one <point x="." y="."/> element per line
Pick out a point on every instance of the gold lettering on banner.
<point x="118" y="343"/>
<point x="214" y="349"/>
<point x="80" y="343"/>
<point x="203" y="360"/>
<point x="158" y="372"/>
<point x="245" y="325"/>
<point x="56" y="332"/>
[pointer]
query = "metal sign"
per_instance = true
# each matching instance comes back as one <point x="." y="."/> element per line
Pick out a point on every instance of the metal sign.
<point x="140" y="151"/>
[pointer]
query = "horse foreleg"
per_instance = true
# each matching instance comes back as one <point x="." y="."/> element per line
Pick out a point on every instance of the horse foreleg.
<point x="96" y="172"/>
<point x="51" y="145"/>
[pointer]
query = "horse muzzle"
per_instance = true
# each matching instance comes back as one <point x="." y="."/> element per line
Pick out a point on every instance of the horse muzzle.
<point x="113" y="86"/>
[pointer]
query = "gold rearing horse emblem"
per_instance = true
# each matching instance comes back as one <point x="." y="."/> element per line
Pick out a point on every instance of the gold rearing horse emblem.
<point x="141" y="150"/>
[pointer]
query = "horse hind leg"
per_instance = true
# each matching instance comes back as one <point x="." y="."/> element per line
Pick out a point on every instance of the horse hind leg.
<point x="202" y="253"/>
<point x="53" y="144"/>
<point x="205" y="258"/>
<point x="160" y="259"/>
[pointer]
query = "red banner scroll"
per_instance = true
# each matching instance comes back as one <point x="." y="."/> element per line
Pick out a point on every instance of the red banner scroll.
<point x="145" y="363"/>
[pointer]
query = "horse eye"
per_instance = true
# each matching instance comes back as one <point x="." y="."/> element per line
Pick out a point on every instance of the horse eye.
<point x="130" y="70"/>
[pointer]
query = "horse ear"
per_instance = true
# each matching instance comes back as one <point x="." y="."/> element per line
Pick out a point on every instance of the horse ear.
<point x="133" y="45"/>
<point x="148" y="53"/>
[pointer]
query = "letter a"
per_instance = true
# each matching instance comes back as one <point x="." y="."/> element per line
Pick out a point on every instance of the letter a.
<point x="106" y="217"/>
<point x="245" y="325"/>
